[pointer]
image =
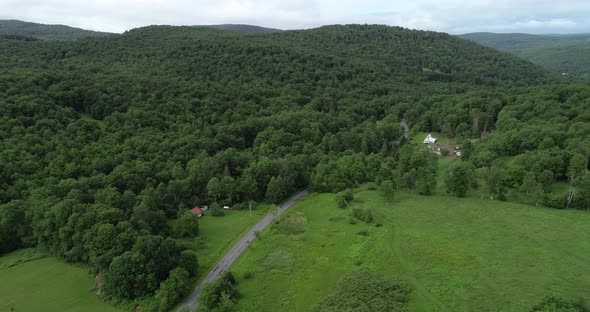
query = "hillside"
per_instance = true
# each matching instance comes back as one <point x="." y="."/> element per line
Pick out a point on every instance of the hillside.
<point x="107" y="141"/>
<point x="46" y="32"/>
<point x="557" y="53"/>
<point x="243" y="28"/>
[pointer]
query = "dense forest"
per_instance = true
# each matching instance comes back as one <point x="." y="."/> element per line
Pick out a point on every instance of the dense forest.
<point x="563" y="54"/>
<point x="104" y="140"/>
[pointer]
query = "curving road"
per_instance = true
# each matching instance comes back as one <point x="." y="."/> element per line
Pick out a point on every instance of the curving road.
<point x="223" y="265"/>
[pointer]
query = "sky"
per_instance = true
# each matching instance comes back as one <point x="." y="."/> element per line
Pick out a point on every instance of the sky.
<point x="452" y="16"/>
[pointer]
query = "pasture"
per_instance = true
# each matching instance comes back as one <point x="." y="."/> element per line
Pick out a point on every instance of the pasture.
<point x="458" y="254"/>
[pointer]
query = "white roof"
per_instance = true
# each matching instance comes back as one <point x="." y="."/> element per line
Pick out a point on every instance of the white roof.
<point x="429" y="139"/>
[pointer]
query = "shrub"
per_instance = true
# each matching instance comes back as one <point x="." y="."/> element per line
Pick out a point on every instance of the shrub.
<point x="558" y="304"/>
<point x="344" y="198"/>
<point x="187" y="224"/>
<point x="220" y="294"/>
<point x="365" y="215"/>
<point x="363" y="233"/>
<point x="367" y="290"/>
<point x="216" y="210"/>
<point x="292" y="225"/>
<point x="172" y="289"/>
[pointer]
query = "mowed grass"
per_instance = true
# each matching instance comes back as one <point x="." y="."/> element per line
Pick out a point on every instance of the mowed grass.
<point x="458" y="254"/>
<point x="218" y="234"/>
<point x="30" y="283"/>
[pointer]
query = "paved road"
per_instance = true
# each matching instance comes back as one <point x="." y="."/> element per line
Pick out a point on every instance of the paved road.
<point x="224" y="264"/>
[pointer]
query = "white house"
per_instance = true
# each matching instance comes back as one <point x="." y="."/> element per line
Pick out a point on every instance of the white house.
<point x="429" y="139"/>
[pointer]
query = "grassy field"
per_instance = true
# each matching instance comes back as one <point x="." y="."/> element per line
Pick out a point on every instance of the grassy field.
<point x="218" y="234"/>
<point x="458" y="254"/>
<point x="29" y="282"/>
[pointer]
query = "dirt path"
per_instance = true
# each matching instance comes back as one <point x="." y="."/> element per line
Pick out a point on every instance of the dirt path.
<point x="234" y="253"/>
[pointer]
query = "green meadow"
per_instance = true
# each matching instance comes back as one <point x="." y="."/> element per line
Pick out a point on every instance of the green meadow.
<point x="458" y="254"/>
<point x="31" y="282"/>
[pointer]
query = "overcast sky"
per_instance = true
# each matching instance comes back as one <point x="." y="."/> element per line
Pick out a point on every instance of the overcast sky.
<point x="453" y="16"/>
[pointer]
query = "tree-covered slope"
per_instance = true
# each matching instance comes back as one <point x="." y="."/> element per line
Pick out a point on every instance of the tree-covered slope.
<point x="104" y="140"/>
<point x="46" y="32"/>
<point x="558" y="53"/>
<point x="244" y="28"/>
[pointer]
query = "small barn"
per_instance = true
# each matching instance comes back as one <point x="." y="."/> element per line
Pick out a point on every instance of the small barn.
<point x="197" y="212"/>
<point x="430" y="139"/>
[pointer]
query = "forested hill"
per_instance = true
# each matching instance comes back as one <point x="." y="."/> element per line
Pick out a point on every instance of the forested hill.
<point x="46" y="32"/>
<point x="104" y="140"/>
<point x="558" y="53"/>
<point x="243" y="28"/>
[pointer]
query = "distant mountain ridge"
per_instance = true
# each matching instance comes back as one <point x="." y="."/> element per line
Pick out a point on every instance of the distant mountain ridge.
<point x="566" y="54"/>
<point x="46" y="32"/>
<point x="243" y="28"/>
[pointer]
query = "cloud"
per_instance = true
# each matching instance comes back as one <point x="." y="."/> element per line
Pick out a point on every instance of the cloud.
<point x="454" y="16"/>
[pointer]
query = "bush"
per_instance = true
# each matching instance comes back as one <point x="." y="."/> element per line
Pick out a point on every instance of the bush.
<point x="558" y="304"/>
<point x="216" y="210"/>
<point x="291" y="225"/>
<point x="352" y="221"/>
<point x="248" y="275"/>
<point x="188" y="261"/>
<point x="344" y="198"/>
<point x="367" y="290"/>
<point x="363" y="233"/>
<point x="387" y="188"/>
<point x="176" y="286"/>
<point x="220" y="294"/>
<point x="187" y="224"/>
<point x="341" y="202"/>
<point x="365" y="215"/>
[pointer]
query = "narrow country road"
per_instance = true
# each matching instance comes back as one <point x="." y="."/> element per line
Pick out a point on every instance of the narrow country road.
<point x="227" y="260"/>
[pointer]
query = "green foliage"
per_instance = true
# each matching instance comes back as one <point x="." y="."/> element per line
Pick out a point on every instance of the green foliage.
<point x="292" y="225"/>
<point x="189" y="262"/>
<point x="363" y="214"/>
<point x="584" y="196"/>
<point x="387" y="188"/>
<point x="187" y="224"/>
<point x="558" y="304"/>
<point x="233" y="117"/>
<point x="530" y="191"/>
<point x="174" y="288"/>
<point x="277" y="189"/>
<point x="219" y="295"/>
<point x="458" y="178"/>
<point x="344" y="198"/>
<point x="137" y="273"/>
<point x="364" y="291"/>
<point x="216" y="210"/>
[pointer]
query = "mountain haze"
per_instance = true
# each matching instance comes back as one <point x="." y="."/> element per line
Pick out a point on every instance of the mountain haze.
<point x="243" y="28"/>
<point x="567" y="54"/>
<point x="46" y="32"/>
